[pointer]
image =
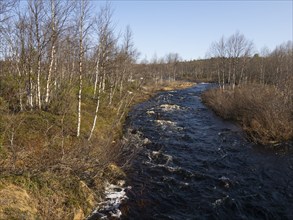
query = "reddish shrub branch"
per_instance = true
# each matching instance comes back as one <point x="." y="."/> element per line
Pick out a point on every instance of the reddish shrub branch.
<point x="265" y="112"/>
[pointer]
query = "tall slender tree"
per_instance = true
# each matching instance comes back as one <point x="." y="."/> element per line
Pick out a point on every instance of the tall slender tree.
<point x="83" y="24"/>
<point x="106" y="45"/>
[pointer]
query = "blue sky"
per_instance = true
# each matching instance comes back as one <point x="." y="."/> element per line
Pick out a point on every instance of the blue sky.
<point x="189" y="27"/>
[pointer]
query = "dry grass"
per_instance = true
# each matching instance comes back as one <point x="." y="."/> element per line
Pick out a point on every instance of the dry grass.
<point x="63" y="175"/>
<point x="177" y="85"/>
<point x="265" y="112"/>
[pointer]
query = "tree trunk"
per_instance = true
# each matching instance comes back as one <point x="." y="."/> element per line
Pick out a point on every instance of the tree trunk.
<point x="49" y="75"/>
<point x="96" y="112"/>
<point x="39" y="103"/>
<point x="53" y="51"/>
<point x="81" y="55"/>
<point x="79" y="101"/>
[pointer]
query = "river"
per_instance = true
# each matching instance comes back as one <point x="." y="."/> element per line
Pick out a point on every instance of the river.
<point x="191" y="164"/>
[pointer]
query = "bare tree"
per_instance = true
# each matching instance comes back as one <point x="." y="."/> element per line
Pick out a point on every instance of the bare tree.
<point x="59" y="14"/>
<point x="53" y="48"/>
<point x="37" y="16"/>
<point x="280" y="69"/>
<point x="83" y="28"/>
<point x="231" y="57"/>
<point x="104" y="31"/>
<point x="5" y="19"/>
<point x="264" y="53"/>
<point x="5" y="9"/>
<point x="238" y="50"/>
<point x="128" y="56"/>
<point x="218" y="50"/>
<point x="172" y="61"/>
<point x="105" y="49"/>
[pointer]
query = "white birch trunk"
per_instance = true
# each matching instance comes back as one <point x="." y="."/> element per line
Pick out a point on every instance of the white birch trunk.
<point x="97" y="73"/>
<point x="79" y="103"/>
<point x="50" y="75"/>
<point x="30" y="93"/>
<point x="96" y="112"/>
<point x="111" y="95"/>
<point x="19" y="88"/>
<point x="81" y="54"/>
<point x="39" y="103"/>
<point x="104" y="81"/>
<point x="38" y="38"/>
<point x="53" y="52"/>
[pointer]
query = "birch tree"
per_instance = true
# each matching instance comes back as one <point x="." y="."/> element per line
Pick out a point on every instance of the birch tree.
<point x="53" y="49"/>
<point x="5" y="9"/>
<point x="59" y="14"/>
<point x="129" y="55"/>
<point x="231" y="56"/>
<point x="104" y="31"/>
<point x="106" y="43"/>
<point x="172" y="61"/>
<point x="37" y="14"/>
<point x="83" y="27"/>
<point x="218" y="50"/>
<point x="238" y="50"/>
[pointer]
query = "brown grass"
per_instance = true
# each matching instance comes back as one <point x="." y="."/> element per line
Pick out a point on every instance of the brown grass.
<point x="177" y="85"/>
<point x="264" y="111"/>
<point x="62" y="174"/>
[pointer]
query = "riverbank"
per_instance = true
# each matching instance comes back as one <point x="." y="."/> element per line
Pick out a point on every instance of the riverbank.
<point x="265" y="112"/>
<point x="46" y="172"/>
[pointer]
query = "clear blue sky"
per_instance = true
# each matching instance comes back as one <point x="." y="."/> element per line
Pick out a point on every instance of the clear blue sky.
<point x="189" y="27"/>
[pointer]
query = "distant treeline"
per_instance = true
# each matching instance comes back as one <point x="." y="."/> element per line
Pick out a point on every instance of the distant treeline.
<point x="230" y="62"/>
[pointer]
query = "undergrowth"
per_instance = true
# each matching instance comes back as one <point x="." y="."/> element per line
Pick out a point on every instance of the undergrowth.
<point x="43" y="161"/>
<point x="265" y="112"/>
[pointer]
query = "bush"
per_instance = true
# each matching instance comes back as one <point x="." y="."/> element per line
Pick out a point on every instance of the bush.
<point x="9" y="94"/>
<point x="262" y="110"/>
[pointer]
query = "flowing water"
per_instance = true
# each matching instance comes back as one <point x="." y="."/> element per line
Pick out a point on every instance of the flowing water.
<point x="193" y="165"/>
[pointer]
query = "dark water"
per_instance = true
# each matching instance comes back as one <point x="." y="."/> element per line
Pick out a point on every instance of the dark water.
<point x="197" y="166"/>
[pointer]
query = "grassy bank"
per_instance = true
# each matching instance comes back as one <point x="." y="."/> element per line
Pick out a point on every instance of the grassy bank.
<point x="265" y="112"/>
<point x="47" y="172"/>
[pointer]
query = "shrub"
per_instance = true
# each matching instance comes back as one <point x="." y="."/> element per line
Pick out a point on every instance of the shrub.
<point x="262" y="110"/>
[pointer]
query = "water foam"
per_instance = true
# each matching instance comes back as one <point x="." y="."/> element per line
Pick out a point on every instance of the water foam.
<point x="115" y="195"/>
